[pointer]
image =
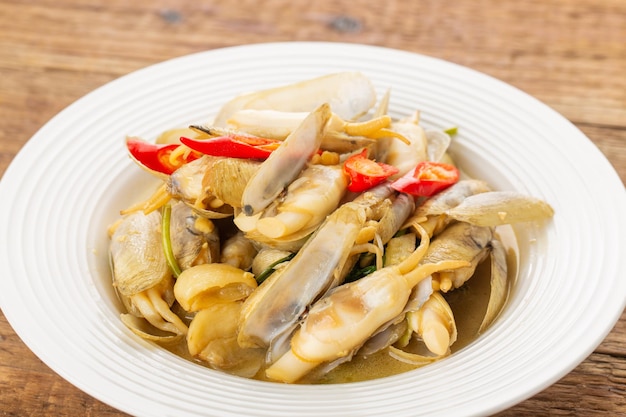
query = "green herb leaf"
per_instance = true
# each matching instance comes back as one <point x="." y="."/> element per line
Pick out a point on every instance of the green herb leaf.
<point x="451" y="130"/>
<point x="167" y="242"/>
<point x="270" y="269"/>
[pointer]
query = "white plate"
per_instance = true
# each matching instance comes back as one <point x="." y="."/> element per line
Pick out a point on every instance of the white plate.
<point x="70" y="180"/>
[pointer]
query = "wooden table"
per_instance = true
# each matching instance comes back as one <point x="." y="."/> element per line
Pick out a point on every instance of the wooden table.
<point x="571" y="54"/>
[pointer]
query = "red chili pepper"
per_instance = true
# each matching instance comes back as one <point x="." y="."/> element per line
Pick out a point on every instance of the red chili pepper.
<point x="427" y="179"/>
<point x="234" y="146"/>
<point x="365" y="173"/>
<point x="156" y="157"/>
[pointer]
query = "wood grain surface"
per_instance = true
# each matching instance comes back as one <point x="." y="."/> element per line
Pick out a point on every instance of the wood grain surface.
<point x="570" y="54"/>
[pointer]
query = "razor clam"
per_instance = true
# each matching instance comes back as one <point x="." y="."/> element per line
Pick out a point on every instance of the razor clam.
<point x="395" y="329"/>
<point x="285" y="163"/>
<point x="431" y="213"/>
<point x="435" y="327"/>
<point x="434" y="323"/>
<point x="271" y="313"/>
<point x="291" y="243"/>
<point x="340" y="135"/>
<point x="451" y="197"/>
<point x="358" y="309"/>
<point x="399" y="249"/>
<point x="498" y="283"/>
<point x="385" y="338"/>
<point x="350" y="94"/>
<point x="274" y="309"/>
<point x="308" y="200"/>
<point x="393" y="219"/>
<point x="271" y="124"/>
<point x="461" y="241"/>
<point x="386" y="217"/>
<point x="500" y="207"/>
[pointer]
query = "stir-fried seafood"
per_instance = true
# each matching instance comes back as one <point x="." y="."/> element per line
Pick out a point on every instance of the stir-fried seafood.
<point x="305" y="228"/>
<point x="142" y="277"/>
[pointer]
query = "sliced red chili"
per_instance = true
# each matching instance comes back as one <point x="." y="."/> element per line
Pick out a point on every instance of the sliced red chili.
<point x="156" y="157"/>
<point x="427" y="179"/>
<point x="365" y="173"/>
<point x="234" y="146"/>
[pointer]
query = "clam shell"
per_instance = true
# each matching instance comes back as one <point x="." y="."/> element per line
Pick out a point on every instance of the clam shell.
<point x="227" y="178"/>
<point x="137" y="255"/>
